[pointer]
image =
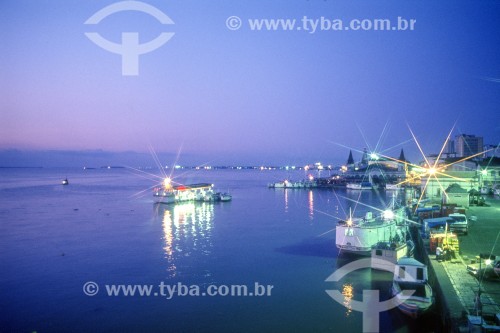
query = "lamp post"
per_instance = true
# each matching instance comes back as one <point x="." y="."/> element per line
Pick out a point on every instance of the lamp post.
<point x="477" y="302"/>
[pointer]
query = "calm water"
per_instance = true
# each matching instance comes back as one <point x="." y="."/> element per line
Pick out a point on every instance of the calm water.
<point x="104" y="227"/>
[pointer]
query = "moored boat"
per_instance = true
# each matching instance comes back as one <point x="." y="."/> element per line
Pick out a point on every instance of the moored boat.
<point x="359" y="235"/>
<point x="289" y="184"/>
<point x="221" y="196"/>
<point x="168" y="193"/>
<point x="390" y="253"/>
<point x="360" y="186"/>
<point x="410" y="287"/>
<point x="393" y="187"/>
<point x="283" y="184"/>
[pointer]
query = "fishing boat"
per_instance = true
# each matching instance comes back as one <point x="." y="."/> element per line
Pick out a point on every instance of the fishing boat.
<point x="289" y="184"/>
<point x="222" y="196"/>
<point x="410" y="287"/>
<point x="168" y="193"/>
<point x="65" y="181"/>
<point x="226" y="197"/>
<point x="283" y="184"/>
<point x="360" y="186"/>
<point x="359" y="235"/>
<point x="385" y="255"/>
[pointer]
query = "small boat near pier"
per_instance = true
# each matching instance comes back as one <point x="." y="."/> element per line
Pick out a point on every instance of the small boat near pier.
<point x="410" y="287"/>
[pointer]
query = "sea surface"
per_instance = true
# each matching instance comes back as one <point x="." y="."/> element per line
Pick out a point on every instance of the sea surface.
<point x="104" y="228"/>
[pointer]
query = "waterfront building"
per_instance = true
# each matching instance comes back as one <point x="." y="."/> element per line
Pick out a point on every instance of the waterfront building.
<point x="350" y="161"/>
<point x="435" y="185"/>
<point x="448" y="172"/>
<point x="375" y="168"/>
<point x="455" y="194"/>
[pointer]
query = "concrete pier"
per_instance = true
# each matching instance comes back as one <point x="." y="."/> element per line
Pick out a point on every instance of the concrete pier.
<point x="456" y="289"/>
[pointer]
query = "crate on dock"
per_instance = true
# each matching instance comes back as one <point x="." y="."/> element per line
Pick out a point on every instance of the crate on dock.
<point x="444" y="240"/>
<point x="451" y="241"/>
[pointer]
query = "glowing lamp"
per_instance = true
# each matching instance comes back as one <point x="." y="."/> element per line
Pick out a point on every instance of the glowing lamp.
<point x="388" y="214"/>
<point x="167" y="181"/>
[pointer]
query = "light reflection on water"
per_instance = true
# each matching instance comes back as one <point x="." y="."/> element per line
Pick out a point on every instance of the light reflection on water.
<point x="295" y="193"/>
<point x="348" y="293"/>
<point x="286" y="200"/>
<point x="187" y="231"/>
<point x="310" y="201"/>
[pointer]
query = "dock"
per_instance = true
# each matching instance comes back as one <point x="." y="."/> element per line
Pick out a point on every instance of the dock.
<point x="455" y="288"/>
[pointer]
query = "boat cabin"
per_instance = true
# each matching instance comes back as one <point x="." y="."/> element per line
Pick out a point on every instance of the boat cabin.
<point x="410" y="270"/>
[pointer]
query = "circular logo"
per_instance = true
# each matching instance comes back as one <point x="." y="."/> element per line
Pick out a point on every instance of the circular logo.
<point x="233" y="23"/>
<point x="90" y="288"/>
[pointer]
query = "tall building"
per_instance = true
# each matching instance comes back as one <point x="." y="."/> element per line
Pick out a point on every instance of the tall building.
<point x="467" y="145"/>
<point x="450" y="148"/>
<point x="491" y="151"/>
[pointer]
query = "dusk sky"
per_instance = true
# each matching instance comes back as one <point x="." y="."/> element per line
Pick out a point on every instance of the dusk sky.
<point x="240" y="96"/>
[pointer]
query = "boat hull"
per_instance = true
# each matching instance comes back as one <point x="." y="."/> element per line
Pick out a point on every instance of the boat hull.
<point x="354" y="250"/>
<point x="413" y="307"/>
<point x="164" y="199"/>
<point x="410" y="287"/>
<point x="361" y="239"/>
<point x="360" y="187"/>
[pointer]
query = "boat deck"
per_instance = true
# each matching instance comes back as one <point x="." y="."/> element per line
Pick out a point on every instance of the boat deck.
<point x="417" y="287"/>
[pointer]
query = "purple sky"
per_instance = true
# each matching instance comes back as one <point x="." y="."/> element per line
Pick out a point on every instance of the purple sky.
<point x="245" y="96"/>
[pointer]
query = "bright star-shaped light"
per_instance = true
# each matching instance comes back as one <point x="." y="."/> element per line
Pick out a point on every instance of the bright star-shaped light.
<point x="388" y="214"/>
<point x="432" y="171"/>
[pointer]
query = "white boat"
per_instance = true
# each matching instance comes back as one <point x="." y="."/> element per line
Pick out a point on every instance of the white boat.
<point x="283" y="184"/>
<point x="359" y="235"/>
<point x="385" y="255"/>
<point x="393" y="187"/>
<point x="410" y="287"/>
<point x="289" y="184"/>
<point x="65" y="181"/>
<point x="360" y="186"/>
<point x="223" y="196"/>
<point x="167" y="193"/>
